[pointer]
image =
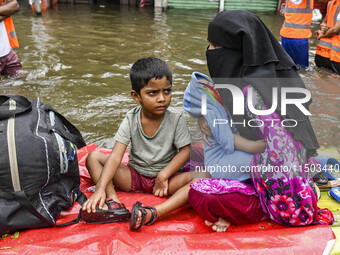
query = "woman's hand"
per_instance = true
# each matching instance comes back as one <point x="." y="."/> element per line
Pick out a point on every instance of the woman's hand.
<point x="259" y="146"/>
<point x="243" y="144"/>
<point x="205" y="129"/>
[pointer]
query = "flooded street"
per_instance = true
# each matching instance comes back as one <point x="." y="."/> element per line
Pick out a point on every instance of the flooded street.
<point x="77" y="59"/>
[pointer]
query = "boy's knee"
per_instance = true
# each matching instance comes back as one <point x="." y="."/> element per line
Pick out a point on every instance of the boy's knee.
<point x="196" y="179"/>
<point x="196" y="176"/>
<point x="199" y="175"/>
<point x="93" y="157"/>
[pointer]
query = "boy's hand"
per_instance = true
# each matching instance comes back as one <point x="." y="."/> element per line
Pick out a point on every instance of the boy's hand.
<point x="160" y="189"/>
<point x="91" y="203"/>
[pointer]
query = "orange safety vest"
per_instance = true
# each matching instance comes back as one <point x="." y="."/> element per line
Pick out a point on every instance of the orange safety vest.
<point x="12" y="36"/>
<point x="298" y="18"/>
<point x="324" y="46"/>
<point x="331" y="20"/>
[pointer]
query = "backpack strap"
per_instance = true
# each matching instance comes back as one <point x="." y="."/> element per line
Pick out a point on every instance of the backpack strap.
<point x="81" y="200"/>
<point x="73" y="135"/>
<point x="20" y="100"/>
<point x="26" y="203"/>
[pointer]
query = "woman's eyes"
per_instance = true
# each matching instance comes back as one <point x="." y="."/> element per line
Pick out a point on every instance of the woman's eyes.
<point x="213" y="46"/>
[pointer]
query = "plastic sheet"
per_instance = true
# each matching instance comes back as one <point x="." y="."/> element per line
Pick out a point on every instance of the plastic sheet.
<point x="181" y="231"/>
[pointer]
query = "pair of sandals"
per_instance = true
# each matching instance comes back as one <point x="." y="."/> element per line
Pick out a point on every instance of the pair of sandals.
<point x="117" y="212"/>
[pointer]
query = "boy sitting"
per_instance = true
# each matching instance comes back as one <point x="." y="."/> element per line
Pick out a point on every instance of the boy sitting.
<point x="160" y="146"/>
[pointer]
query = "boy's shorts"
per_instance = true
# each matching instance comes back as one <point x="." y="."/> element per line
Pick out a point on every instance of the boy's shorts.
<point x="144" y="184"/>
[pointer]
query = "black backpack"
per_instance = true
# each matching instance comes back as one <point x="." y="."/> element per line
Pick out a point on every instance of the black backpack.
<point x="39" y="174"/>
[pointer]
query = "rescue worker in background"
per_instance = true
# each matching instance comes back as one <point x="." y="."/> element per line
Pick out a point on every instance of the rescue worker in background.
<point x="296" y="30"/>
<point x="323" y="49"/>
<point x="328" y="48"/>
<point x="9" y="61"/>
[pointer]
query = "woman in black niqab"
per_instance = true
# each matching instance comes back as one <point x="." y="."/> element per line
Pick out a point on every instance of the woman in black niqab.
<point x="251" y="52"/>
<point x="244" y="52"/>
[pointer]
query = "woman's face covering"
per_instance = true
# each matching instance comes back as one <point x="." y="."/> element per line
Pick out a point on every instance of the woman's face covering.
<point x="215" y="59"/>
<point x="223" y="62"/>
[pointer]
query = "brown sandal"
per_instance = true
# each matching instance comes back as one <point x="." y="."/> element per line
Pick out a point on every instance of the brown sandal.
<point x="117" y="212"/>
<point x="134" y="215"/>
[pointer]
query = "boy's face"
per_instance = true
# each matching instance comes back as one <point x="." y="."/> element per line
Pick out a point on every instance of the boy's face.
<point x="155" y="97"/>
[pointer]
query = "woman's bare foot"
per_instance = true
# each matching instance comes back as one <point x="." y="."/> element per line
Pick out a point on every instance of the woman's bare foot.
<point x="221" y="226"/>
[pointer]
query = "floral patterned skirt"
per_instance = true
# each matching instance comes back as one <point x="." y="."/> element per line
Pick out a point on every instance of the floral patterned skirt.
<point x="281" y="175"/>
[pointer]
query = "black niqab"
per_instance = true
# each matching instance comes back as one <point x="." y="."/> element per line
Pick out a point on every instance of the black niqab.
<point x="251" y="52"/>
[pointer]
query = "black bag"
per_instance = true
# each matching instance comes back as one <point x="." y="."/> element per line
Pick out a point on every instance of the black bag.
<point x="39" y="173"/>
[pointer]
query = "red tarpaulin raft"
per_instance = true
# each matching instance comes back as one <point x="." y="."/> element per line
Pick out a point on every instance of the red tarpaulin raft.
<point x="182" y="231"/>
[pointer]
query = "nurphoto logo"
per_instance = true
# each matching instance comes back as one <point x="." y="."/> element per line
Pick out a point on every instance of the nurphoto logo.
<point x="239" y="108"/>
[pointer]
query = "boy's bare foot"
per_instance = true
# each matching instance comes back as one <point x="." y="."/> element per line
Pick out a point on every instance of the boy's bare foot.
<point x="221" y="226"/>
<point x="105" y="207"/>
<point x="139" y="212"/>
<point x="114" y="198"/>
<point x="139" y="219"/>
